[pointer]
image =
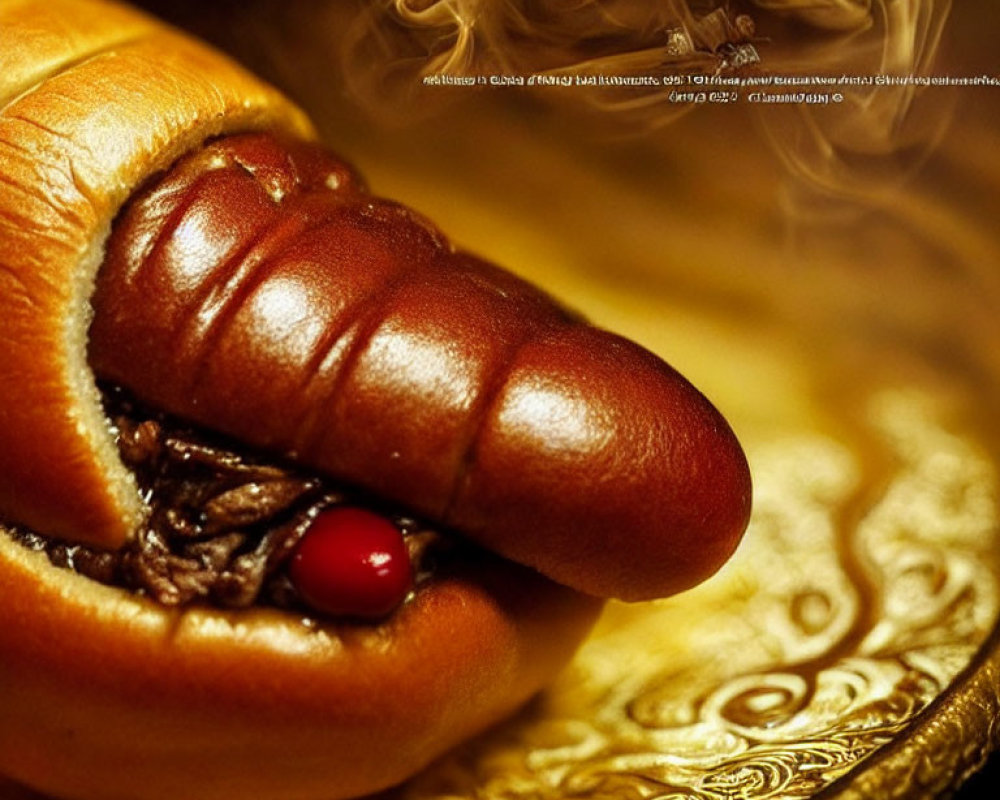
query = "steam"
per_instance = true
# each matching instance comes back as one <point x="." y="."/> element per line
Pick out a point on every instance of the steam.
<point x="842" y="15"/>
<point x="523" y="37"/>
<point x="876" y="134"/>
<point x="879" y="133"/>
<point x="399" y="42"/>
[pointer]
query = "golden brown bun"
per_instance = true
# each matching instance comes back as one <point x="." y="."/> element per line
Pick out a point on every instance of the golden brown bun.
<point x="106" y="695"/>
<point x="94" y="98"/>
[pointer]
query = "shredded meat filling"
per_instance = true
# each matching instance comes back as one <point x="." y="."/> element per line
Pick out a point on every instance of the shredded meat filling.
<point x="222" y="524"/>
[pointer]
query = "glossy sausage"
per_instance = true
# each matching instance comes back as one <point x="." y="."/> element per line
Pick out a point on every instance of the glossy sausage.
<point x="260" y="290"/>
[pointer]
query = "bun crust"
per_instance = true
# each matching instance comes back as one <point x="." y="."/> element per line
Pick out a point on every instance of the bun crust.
<point x="107" y="695"/>
<point x="95" y="98"/>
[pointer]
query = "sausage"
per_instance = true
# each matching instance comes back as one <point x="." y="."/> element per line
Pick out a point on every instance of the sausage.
<point x="260" y="289"/>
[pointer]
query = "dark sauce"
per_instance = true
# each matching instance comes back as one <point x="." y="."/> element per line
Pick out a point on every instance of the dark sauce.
<point x="222" y="522"/>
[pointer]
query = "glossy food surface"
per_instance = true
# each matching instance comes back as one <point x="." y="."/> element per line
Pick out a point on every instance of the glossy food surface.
<point x="260" y="290"/>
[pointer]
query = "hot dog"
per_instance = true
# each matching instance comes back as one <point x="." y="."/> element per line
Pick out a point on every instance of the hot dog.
<point x="253" y="288"/>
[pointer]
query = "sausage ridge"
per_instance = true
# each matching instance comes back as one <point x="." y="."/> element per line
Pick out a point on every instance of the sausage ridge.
<point x="443" y="384"/>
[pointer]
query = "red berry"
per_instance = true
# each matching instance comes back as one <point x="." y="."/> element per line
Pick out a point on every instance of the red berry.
<point x="353" y="563"/>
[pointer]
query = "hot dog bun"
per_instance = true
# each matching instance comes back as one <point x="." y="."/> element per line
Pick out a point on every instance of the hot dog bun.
<point x="107" y="695"/>
<point x="95" y="99"/>
<point x="104" y="693"/>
